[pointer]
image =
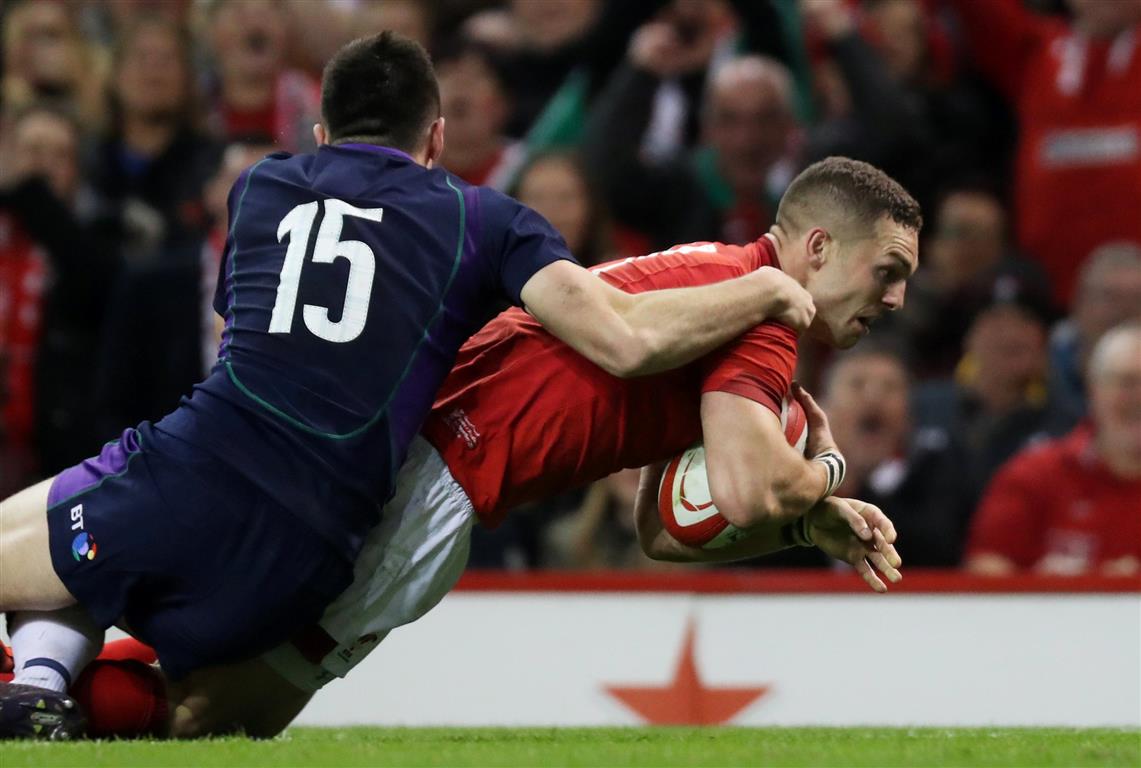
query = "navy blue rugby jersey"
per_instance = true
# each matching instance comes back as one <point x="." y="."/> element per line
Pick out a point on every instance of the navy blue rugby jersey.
<point x="350" y="279"/>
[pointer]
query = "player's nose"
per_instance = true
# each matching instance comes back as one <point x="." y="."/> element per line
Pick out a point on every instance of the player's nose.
<point x="894" y="297"/>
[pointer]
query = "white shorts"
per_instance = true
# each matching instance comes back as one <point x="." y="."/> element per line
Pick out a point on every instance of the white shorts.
<point x="408" y="563"/>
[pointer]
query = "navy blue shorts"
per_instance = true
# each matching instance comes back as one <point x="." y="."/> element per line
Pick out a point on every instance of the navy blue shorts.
<point x="198" y="564"/>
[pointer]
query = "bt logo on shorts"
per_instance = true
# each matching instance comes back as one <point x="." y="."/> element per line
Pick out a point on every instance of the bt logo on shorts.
<point x="83" y="546"/>
<point x="77" y="517"/>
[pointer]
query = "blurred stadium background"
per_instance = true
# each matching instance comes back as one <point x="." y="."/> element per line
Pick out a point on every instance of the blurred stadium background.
<point x="633" y="126"/>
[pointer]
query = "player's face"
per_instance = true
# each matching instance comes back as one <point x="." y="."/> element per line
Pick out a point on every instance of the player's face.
<point x="861" y="279"/>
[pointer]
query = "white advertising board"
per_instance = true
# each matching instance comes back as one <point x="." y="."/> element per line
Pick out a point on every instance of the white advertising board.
<point x="614" y="658"/>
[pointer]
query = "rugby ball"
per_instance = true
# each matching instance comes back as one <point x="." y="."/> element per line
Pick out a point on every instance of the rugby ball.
<point x="685" y="504"/>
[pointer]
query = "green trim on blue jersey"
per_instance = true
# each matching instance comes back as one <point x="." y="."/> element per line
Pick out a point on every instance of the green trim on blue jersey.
<point x="130" y="457"/>
<point x="292" y="420"/>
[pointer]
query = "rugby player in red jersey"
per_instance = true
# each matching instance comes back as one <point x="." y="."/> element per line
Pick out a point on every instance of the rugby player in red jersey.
<point x="521" y="416"/>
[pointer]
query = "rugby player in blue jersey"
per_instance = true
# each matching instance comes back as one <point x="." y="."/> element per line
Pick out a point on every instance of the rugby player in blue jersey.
<point x="351" y="277"/>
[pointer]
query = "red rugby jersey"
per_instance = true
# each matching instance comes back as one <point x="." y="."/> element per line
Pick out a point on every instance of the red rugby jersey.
<point x="1058" y="499"/>
<point x="1078" y="171"/>
<point x="522" y="416"/>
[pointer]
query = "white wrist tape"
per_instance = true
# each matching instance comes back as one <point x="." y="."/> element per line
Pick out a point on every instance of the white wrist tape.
<point x="834" y="463"/>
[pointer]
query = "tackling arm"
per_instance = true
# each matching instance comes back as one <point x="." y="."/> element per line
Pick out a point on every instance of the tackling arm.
<point x="640" y="334"/>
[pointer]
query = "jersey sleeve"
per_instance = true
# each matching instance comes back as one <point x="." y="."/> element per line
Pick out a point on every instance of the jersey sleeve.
<point x="221" y="299"/>
<point x="1006" y="522"/>
<point x="758" y="366"/>
<point x="517" y="242"/>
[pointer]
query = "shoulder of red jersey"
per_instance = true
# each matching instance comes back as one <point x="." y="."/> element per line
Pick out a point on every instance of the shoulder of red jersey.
<point x="697" y="263"/>
<point x="758" y="365"/>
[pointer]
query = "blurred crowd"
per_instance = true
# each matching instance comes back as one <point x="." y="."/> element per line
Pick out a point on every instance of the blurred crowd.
<point x="996" y="418"/>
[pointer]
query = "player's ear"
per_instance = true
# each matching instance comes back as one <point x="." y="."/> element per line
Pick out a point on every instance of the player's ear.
<point x="319" y="135"/>
<point x="435" y="143"/>
<point x="817" y="243"/>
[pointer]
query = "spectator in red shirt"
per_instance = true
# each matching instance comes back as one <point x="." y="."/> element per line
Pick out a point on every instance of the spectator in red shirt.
<point x="883" y="76"/>
<point x="1073" y="505"/>
<point x="257" y="93"/>
<point x="1076" y="88"/>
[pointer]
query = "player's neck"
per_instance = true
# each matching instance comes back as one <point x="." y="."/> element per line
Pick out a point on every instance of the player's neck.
<point x="795" y="268"/>
<point x="419" y="156"/>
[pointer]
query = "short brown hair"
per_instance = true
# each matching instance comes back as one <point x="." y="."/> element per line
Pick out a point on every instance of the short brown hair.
<point x="858" y="191"/>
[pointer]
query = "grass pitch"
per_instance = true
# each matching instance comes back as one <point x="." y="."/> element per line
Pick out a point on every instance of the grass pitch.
<point x="309" y="747"/>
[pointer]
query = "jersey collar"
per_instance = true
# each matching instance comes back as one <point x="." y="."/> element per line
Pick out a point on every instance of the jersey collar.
<point x="376" y="148"/>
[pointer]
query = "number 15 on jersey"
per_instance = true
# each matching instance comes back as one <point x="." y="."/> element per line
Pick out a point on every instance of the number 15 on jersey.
<point x="297" y="224"/>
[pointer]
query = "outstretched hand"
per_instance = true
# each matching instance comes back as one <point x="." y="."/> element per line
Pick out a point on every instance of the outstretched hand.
<point x="858" y="533"/>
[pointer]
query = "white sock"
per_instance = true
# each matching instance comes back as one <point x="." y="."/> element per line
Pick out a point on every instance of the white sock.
<point x="51" y="648"/>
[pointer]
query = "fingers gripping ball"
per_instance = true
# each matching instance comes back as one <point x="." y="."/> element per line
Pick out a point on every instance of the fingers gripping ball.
<point x="685" y="504"/>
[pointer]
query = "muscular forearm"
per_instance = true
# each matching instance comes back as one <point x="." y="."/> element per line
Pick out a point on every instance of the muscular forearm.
<point x="657" y="544"/>
<point x="676" y="326"/>
<point x="639" y="334"/>
<point x="752" y="493"/>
